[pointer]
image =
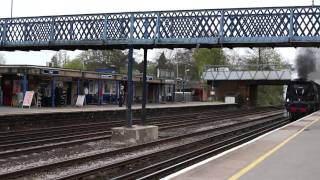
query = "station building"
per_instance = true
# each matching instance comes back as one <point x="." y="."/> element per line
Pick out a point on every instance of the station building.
<point x="59" y="87"/>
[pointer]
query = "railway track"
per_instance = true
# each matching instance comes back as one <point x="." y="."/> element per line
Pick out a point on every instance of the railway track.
<point x="43" y="133"/>
<point x="162" y="142"/>
<point x="21" y="149"/>
<point x="162" y="163"/>
<point x="174" y="164"/>
<point x="53" y="132"/>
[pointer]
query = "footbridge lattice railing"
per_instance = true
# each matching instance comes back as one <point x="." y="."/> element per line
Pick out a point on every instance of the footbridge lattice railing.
<point x="245" y="27"/>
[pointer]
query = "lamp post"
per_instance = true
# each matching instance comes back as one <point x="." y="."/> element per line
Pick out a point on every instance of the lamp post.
<point x="11" y="7"/>
<point x="184" y="82"/>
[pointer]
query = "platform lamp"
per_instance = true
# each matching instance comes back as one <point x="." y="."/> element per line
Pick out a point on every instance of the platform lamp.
<point x="11" y="8"/>
<point x="184" y="82"/>
<point x="1" y="96"/>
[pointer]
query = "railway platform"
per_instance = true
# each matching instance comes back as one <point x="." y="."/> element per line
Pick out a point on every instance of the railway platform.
<point x="5" y="111"/>
<point x="290" y="152"/>
<point x="21" y="119"/>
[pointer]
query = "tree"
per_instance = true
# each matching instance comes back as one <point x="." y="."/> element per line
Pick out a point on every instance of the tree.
<point x="2" y="59"/>
<point x="267" y="95"/>
<point x="204" y="57"/>
<point x="270" y="95"/>
<point x="74" y="64"/>
<point x="234" y="57"/>
<point x="95" y="59"/>
<point x="185" y="65"/>
<point x="263" y="56"/>
<point x="163" y="62"/>
<point x="60" y="58"/>
<point x="54" y="61"/>
<point x="151" y="68"/>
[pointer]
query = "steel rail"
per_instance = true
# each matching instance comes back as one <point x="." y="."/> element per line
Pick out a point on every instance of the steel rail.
<point x="172" y="125"/>
<point x="56" y="129"/>
<point x="121" y="166"/>
<point x="169" y="166"/>
<point x="69" y="133"/>
<point x="69" y="162"/>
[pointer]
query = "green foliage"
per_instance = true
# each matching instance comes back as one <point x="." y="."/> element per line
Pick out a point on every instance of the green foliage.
<point x="270" y="95"/>
<point x="204" y="57"/>
<point x="187" y="67"/>
<point x="74" y="64"/>
<point x="104" y="59"/>
<point x="60" y="58"/>
<point x="163" y="62"/>
<point x="189" y="64"/>
<point x="267" y="95"/>
<point x="54" y="61"/>
<point x="263" y="56"/>
<point x="151" y="68"/>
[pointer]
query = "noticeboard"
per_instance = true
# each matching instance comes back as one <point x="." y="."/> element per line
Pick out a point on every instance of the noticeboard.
<point x="80" y="100"/>
<point x="27" y="100"/>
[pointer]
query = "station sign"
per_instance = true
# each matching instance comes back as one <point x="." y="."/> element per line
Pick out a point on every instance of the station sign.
<point x="169" y="81"/>
<point x="106" y="76"/>
<point x="65" y="79"/>
<point x="149" y="78"/>
<point x="49" y="71"/>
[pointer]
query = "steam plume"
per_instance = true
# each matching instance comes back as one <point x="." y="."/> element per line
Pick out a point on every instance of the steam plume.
<point x="305" y="62"/>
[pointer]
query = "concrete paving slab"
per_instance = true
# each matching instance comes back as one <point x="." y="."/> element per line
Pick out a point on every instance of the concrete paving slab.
<point x="299" y="159"/>
<point x="227" y="164"/>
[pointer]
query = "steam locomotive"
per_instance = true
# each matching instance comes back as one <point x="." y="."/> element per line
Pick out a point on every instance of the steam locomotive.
<point x="302" y="98"/>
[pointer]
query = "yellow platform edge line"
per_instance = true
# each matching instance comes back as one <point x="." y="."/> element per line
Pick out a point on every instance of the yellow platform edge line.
<point x="266" y="155"/>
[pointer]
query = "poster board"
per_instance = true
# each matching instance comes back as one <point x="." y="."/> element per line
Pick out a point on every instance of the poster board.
<point x="27" y="100"/>
<point x="80" y="100"/>
<point x="16" y="86"/>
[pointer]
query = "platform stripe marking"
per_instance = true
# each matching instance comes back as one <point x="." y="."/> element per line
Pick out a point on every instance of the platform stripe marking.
<point x="266" y="155"/>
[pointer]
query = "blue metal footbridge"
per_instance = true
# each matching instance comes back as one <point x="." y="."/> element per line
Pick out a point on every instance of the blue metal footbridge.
<point x="245" y="27"/>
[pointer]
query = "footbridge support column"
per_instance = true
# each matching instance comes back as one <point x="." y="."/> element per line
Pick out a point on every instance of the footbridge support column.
<point x="253" y="95"/>
<point x="135" y="134"/>
<point x="144" y="90"/>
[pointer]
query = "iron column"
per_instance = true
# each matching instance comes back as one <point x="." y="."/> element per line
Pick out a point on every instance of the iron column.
<point x="25" y="84"/>
<point x="174" y="91"/>
<point x="130" y="89"/>
<point x="78" y="87"/>
<point x="53" y="84"/>
<point x="144" y="90"/>
<point x="99" y="92"/>
<point x="117" y="90"/>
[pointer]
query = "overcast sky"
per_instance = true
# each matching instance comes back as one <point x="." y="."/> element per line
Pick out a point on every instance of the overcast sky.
<point x="59" y="7"/>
